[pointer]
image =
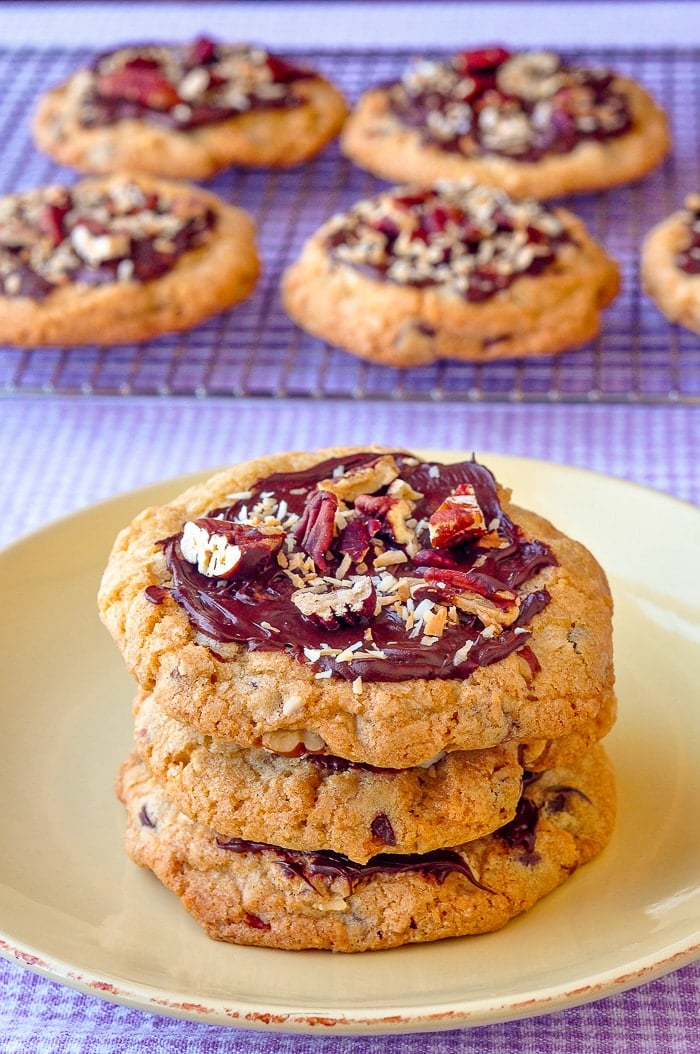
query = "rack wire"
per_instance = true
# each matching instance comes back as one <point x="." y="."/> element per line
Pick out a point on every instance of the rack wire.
<point x="255" y="350"/>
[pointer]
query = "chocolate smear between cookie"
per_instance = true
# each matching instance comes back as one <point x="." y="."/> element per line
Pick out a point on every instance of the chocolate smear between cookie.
<point x="356" y="590"/>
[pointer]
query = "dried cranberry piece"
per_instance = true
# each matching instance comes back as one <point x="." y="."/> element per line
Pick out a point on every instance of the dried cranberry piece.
<point x="435" y="558"/>
<point x="409" y="201"/>
<point x="143" y="84"/>
<point x="482" y="60"/>
<point x="283" y="72"/>
<point x="354" y="540"/>
<point x="201" y="52"/>
<point x="51" y="218"/>
<point x="455" y="582"/>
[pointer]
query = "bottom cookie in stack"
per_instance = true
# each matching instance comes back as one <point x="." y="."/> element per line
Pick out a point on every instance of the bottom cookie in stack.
<point x="318" y="852"/>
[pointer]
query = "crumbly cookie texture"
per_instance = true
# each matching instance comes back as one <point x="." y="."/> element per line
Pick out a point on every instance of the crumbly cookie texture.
<point x="523" y="121"/>
<point x="119" y="259"/>
<point x="188" y="111"/>
<point x="313" y="801"/>
<point x="670" y="265"/>
<point x="249" y="893"/>
<point x="456" y="271"/>
<point x="548" y="674"/>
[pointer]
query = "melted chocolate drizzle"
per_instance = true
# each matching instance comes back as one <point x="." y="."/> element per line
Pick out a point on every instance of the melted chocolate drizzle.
<point x="241" y="610"/>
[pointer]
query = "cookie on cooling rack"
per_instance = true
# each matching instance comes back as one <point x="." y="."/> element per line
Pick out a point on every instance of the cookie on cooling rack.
<point x="188" y="111"/>
<point x="525" y="121"/>
<point x="454" y="271"/>
<point x="258" y="893"/>
<point x="671" y="265"/>
<point x="308" y="801"/>
<point x="390" y="607"/>
<point x="119" y="259"/>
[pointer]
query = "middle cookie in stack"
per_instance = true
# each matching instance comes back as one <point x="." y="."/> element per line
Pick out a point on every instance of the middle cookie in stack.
<point x="370" y="693"/>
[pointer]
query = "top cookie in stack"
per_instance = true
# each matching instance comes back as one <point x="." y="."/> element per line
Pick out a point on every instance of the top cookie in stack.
<point x="387" y="607"/>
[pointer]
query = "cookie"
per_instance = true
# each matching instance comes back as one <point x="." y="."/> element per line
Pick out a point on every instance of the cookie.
<point x="322" y="802"/>
<point x="257" y="893"/>
<point x="316" y="801"/>
<point x="380" y="607"/>
<point x="524" y="121"/>
<point x="119" y="259"/>
<point x="670" y="265"/>
<point x="455" y="271"/>
<point x="188" y="111"/>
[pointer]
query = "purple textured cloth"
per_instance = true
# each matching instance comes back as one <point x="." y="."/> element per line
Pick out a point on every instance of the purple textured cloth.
<point x="61" y="454"/>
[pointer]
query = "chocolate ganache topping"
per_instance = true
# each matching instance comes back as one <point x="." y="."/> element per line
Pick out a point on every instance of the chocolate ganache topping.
<point x="375" y="567"/>
<point x="522" y="105"/>
<point x="688" y="259"/>
<point x="471" y="240"/>
<point x="185" y="86"/>
<point x="54" y="236"/>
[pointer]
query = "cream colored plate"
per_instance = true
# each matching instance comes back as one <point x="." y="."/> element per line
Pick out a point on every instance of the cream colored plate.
<point x="74" y="908"/>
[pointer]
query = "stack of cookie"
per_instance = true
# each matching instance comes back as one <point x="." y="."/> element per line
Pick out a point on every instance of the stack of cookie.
<point x="370" y="697"/>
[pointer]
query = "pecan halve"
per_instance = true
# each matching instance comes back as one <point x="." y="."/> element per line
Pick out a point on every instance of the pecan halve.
<point x="314" y="531"/>
<point x="223" y="548"/>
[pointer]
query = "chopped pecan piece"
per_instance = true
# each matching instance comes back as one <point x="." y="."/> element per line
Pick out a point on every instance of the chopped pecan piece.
<point x="346" y="606"/>
<point x="293" y="743"/>
<point x="458" y="519"/>
<point x="139" y="82"/>
<point x="365" y="479"/>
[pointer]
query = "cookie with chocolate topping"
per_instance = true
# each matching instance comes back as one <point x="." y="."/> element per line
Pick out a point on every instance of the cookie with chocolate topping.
<point x="258" y="893"/>
<point x="187" y="111"/>
<point x="289" y="794"/>
<point x="120" y="259"/>
<point x="528" y="122"/>
<point x="670" y="265"/>
<point x="455" y="271"/>
<point x="388" y="606"/>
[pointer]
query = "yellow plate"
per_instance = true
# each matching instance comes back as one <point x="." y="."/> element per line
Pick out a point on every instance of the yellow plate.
<point x="73" y="908"/>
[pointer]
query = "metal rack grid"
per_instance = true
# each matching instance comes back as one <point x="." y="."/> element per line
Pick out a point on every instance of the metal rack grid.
<point x="255" y="350"/>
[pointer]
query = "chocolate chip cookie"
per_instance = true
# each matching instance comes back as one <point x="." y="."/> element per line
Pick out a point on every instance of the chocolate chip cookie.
<point x="385" y="607"/>
<point x="263" y="894"/>
<point x="526" y="121"/>
<point x="671" y="265"/>
<point x="118" y="259"/>
<point x="456" y="271"/>
<point x="187" y="111"/>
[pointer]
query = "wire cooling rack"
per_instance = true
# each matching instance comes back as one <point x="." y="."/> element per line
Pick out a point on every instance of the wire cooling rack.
<point x="255" y="350"/>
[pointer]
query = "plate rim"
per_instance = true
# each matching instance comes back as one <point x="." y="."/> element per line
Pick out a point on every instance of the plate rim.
<point x="538" y="1001"/>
